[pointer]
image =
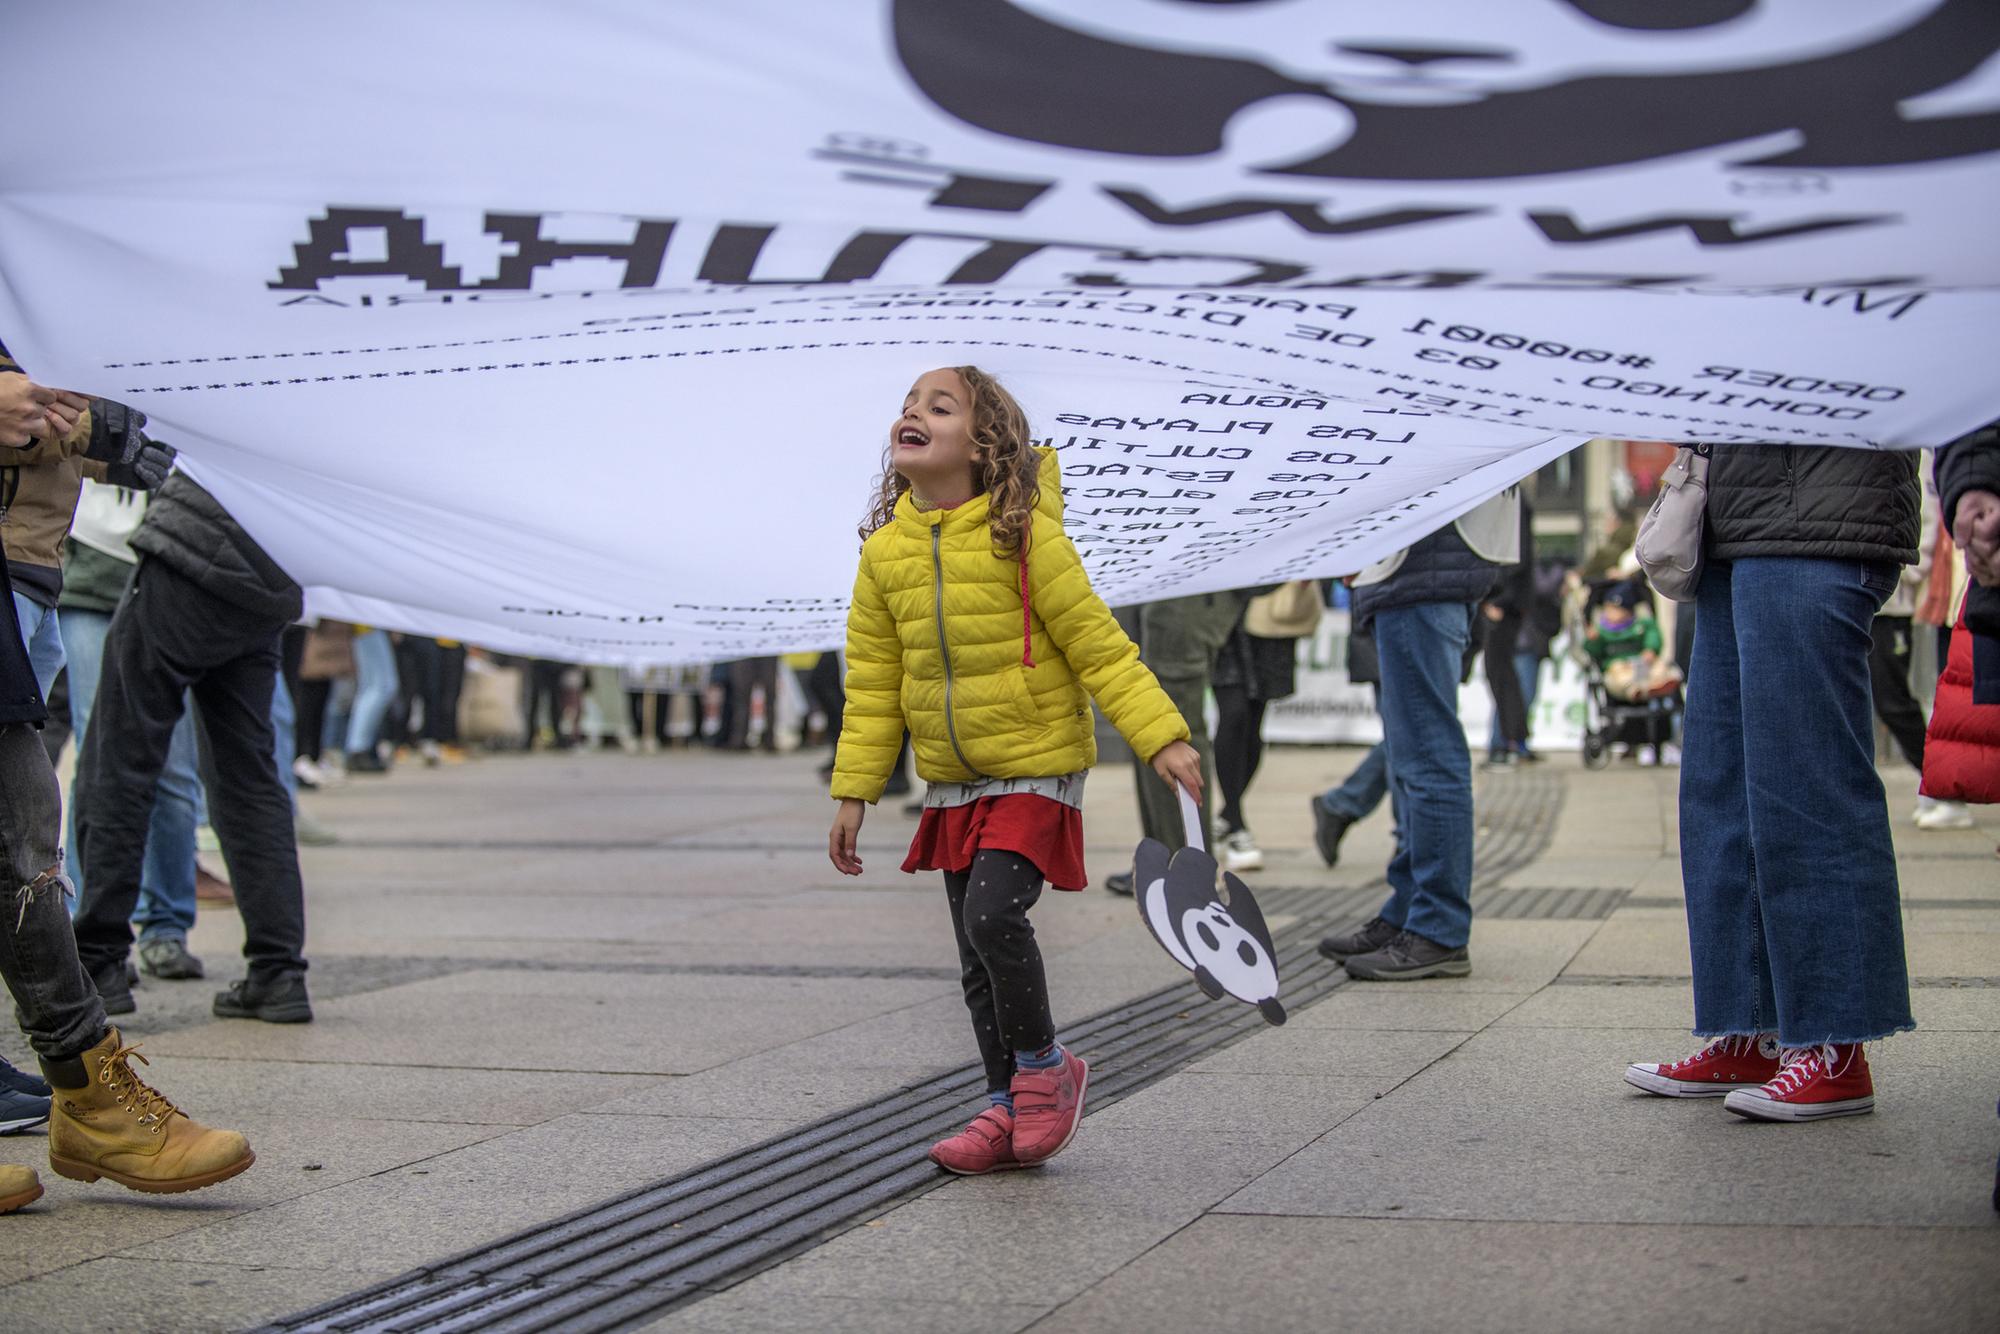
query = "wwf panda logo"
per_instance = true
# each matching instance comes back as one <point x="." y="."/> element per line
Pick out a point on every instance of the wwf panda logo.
<point x="1503" y="90"/>
<point x="1227" y="947"/>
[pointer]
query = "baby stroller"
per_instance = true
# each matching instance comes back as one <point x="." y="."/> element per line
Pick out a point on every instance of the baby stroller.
<point x="1624" y="705"/>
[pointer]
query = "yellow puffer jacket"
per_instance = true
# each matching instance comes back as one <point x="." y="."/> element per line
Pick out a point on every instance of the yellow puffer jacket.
<point x="938" y="638"/>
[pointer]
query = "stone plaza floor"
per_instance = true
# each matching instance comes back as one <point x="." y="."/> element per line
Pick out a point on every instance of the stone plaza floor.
<point x="543" y="981"/>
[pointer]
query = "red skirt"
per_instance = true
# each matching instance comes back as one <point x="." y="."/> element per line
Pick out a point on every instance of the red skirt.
<point x="1045" y="831"/>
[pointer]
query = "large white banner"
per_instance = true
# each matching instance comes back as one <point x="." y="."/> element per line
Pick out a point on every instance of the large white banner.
<point x="578" y="327"/>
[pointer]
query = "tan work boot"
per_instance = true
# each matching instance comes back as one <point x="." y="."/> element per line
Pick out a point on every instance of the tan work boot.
<point x="107" y="1122"/>
<point x="18" y="1186"/>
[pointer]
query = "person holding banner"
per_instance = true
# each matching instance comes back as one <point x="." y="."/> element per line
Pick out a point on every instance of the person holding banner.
<point x="104" y="1121"/>
<point x="974" y="625"/>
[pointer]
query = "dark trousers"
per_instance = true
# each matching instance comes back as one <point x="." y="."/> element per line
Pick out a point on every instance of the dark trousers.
<point x="1239" y="747"/>
<point x="311" y="728"/>
<point x="1000" y="966"/>
<point x="451" y="685"/>
<point x="823" y="687"/>
<point x="1179" y="638"/>
<point x="745" y="675"/>
<point x="1889" y="681"/>
<point x="169" y="637"/>
<point x="545" y="683"/>
<point x="55" y="1003"/>
<point x="420" y="669"/>
<point x="1510" y="705"/>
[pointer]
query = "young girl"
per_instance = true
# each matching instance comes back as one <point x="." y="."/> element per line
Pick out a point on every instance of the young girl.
<point x="974" y="627"/>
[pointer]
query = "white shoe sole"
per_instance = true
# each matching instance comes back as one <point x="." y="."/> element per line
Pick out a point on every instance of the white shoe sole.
<point x="19" y="1124"/>
<point x="1652" y="1081"/>
<point x="1232" y="862"/>
<point x="1753" y="1104"/>
<point x="1930" y="825"/>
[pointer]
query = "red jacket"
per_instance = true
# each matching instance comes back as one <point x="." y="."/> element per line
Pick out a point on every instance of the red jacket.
<point x="1962" y="749"/>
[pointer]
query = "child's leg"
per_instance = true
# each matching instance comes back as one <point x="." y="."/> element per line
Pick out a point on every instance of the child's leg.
<point x="1001" y="887"/>
<point x="994" y="1052"/>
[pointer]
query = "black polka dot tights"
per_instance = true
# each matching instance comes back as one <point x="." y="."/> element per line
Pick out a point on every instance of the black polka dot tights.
<point x="1000" y="965"/>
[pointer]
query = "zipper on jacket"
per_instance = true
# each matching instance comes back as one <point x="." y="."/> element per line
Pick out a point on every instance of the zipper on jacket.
<point x="944" y="649"/>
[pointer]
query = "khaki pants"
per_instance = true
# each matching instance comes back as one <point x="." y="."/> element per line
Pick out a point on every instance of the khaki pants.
<point x="1178" y="639"/>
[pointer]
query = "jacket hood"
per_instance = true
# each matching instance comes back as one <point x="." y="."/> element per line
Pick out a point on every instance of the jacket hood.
<point x="1048" y="503"/>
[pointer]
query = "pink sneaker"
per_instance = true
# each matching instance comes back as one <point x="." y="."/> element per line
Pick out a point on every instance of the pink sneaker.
<point x="987" y="1145"/>
<point x="1047" y="1106"/>
<point x="1724" y="1064"/>
<point x="1816" y="1082"/>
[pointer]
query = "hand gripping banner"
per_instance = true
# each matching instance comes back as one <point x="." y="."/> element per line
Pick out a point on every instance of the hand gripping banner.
<point x="577" y="328"/>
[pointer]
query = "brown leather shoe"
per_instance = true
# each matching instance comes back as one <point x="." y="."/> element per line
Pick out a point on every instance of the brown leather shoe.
<point x="19" y="1186"/>
<point x="211" y="888"/>
<point x="107" y="1122"/>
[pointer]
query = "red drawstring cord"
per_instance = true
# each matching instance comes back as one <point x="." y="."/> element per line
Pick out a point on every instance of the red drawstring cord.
<point x="1027" y="634"/>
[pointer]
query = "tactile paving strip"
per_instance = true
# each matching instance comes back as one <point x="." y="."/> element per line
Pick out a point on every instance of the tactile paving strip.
<point x="618" y="1264"/>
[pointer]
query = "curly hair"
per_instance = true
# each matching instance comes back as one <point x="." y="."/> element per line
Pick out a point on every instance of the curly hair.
<point x="1009" y="469"/>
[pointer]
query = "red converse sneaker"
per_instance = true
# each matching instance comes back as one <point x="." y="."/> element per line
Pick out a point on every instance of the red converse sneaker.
<point x="1722" y="1065"/>
<point x="1815" y="1083"/>
<point x="987" y="1145"/>
<point x="1047" y="1106"/>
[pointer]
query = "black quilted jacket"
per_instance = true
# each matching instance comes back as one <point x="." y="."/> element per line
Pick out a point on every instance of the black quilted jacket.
<point x="1812" y="500"/>
<point x="187" y="528"/>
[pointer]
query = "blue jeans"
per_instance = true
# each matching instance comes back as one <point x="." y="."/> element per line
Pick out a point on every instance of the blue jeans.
<point x="166" y="888"/>
<point x="285" y="721"/>
<point x="374" y="689"/>
<point x="1430" y="769"/>
<point x="1794" y="919"/>
<point x="1364" y="789"/>
<point x="41" y="633"/>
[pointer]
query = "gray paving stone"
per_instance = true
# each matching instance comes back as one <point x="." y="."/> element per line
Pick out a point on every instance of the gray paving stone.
<point x="1386" y="1007"/>
<point x="1280" y="1105"/>
<point x="1312" y="1274"/>
<point x="748" y="1309"/>
<point x="926" y="1249"/>
<point x="1335" y="1052"/>
<point x="1649" y="1007"/>
<point x="1647" y="942"/>
<point x="1131" y="1172"/>
<point x="169" y="1297"/>
<point x="579" y="1021"/>
<point x="1453" y="1142"/>
<point x="302" y="1090"/>
<point x="429" y="1210"/>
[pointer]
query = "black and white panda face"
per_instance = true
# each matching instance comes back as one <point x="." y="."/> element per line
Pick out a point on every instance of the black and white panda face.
<point x="1234" y="957"/>
<point x="1396" y="54"/>
<point x="1466" y="91"/>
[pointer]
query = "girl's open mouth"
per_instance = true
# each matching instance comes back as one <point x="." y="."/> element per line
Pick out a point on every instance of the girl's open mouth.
<point x="911" y="438"/>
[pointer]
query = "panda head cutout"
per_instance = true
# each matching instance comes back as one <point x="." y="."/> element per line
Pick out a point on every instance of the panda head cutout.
<point x="1532" y="87"/>
<point x="1226" y="946"/>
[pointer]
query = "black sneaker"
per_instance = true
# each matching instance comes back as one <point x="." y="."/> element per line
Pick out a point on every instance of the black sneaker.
<point x="1370" y="935"/>
<point x="1408" y="957"/>
<point x="168" y="958"/>
<point x="276" y="999"/>
<point x="114" y="986"/>
<point x="1328" y="830"/>
<point x="21" y="1111"/>
<point x="20" y="1081"/>
<point x="1119" y="882"/>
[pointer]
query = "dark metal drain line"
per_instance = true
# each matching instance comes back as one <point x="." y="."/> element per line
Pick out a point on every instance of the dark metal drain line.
<point x="622" y="1262"/>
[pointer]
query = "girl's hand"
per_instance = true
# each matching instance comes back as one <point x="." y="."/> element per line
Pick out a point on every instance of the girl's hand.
<point x="840" y="843"/>
<point x="1180" y="763"/>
